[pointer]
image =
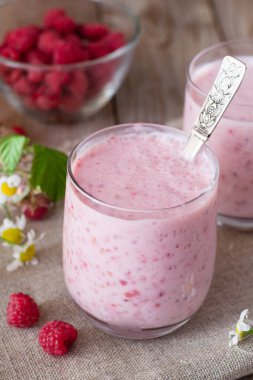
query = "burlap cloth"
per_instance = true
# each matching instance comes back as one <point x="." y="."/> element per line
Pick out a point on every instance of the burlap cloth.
<point x="199" y="350"/>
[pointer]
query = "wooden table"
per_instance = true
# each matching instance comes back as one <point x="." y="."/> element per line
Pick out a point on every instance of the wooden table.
<point x="173" y="32"/>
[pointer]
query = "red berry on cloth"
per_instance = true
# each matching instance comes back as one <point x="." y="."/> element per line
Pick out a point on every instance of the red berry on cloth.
<point x="22" y="311"/>
<point x="19" y="130"/>
<point x="52" y="15"/>
<point x="57" y="337"/>
<point x="23" y="39"/>
<point x="35" y="206"/>
<point x="69" y="52"/>
<point x="94" y="32"/>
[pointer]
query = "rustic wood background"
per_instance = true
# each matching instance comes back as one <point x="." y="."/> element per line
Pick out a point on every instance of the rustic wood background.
<point x="173" y="31"/>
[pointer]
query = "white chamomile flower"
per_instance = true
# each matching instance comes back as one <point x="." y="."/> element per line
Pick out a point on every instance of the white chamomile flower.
<point x="24" y="254"/>
<point x="8" y="187"/>
<point x="243" y="329"/>
<point x="12" y="232"/>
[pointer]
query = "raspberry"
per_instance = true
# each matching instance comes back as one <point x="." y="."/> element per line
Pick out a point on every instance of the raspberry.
<point x="10" y="53"/>
<point x="23" y="86"/>
<point x="38" y="57"/>
<point x="94" y="31"/>
<point x="79" y="84"/>
<point x="114" y="41"/>
<point x="35" y="76"/>
<point x="22" y="311"/>
<point x="97" y="49"/>
<point x="48" y="41"/>
<point x="69" y="52"/>
<point x="52" y="15"/>
<point x="23" y="39"/>
<point x="36" y="206"/>
<point x="55" y="80"/>
<point x="57" y="337"/>
<point x="64" y="25"/>
<point x="13" y="76"/>
<point x="19" y="130"/>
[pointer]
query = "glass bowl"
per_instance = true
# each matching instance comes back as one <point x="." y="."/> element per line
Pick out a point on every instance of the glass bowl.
<point x="92" y="83"/>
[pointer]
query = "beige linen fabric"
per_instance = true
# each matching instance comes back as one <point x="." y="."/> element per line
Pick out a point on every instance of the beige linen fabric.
<point x="199" y="350"/>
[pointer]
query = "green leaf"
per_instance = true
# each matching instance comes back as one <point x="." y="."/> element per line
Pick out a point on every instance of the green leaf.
<point x="49" y="169"/>
<point x="11" y="149"/>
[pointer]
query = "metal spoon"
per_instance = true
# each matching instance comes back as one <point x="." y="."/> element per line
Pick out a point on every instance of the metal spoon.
<point x="226" y="84"/>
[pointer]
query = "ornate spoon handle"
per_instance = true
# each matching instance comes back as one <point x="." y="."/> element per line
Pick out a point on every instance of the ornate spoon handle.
<point x="222" y="92"/>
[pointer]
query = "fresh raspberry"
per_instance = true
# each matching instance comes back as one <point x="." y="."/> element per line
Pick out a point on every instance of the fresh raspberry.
<point x="69" y="52"/>
<point x="48" y="41"/>
<point x="23" y="39"/>
<point x="52" y="15"/>
<point x="57" y="337"/>
<point x="37" y="57"/>
<point x="64" y="25"/>
<point x="79" y="83"/>
<point x="94" y="32"/>
<point x="36" y="206"/>
<point x="19" y="130"/>
<point x="35" y="76"/>
<point x="114" y="41"/>
<point x="55" y="80"/>
<point x="10" y="53"/>
<point x="13" y="76"/>
<point x="97" y="49"/>
<point x="23" y="87"/>
<point x="22" y="311"/>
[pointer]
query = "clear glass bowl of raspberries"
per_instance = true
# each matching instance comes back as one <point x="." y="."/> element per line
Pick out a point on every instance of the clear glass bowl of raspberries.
<point x="62" y="60"/>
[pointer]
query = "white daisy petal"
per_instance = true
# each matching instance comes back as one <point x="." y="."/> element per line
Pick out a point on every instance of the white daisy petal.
<point x="21" y="222"/>
<point x="14" y="180"/>
<point x="3" y="198"/>
<point x="14" y="265"/>
<point x="242" y="326"/>
<point x="34" y="261"/>
<point x="3" y="179"/>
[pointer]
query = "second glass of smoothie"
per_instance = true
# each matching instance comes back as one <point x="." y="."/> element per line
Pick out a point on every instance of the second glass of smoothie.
<point x="139" y="229"/>
<point x="232" y="140"/>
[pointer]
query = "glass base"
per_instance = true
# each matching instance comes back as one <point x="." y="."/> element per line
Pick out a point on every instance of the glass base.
<point x="129" y="333"/>
<point x="242" y="224"/>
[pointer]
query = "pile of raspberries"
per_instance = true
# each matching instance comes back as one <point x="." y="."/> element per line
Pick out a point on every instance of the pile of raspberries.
<point x="60" y="41"/>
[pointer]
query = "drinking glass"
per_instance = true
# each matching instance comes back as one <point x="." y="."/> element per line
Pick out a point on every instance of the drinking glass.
<point x="138" y="273"/>
<point x="232" y="141"/>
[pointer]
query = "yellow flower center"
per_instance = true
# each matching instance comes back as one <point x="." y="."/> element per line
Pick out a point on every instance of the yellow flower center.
<point x="13" y="235"/>
<point x="7" y="190"/>
<point x="28" y="254"/>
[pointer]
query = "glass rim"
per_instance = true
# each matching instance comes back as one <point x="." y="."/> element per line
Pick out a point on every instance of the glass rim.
<point x="211" y="48"/>
<point x="211" y="157"/>
<point x="79" y="65"/>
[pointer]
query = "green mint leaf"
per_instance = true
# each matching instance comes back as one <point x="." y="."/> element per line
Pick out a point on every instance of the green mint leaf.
<point x="49" y="169"/>
<point x="11" y="149"/>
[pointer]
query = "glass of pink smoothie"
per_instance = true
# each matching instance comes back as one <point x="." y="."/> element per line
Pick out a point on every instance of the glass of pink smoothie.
<point x="139" y="229"/>
<point x="232" y="141"/>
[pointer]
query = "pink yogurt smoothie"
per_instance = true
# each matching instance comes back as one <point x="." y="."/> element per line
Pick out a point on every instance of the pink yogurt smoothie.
<point x="232" y="141"/>
<point x="139" y="247"/>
